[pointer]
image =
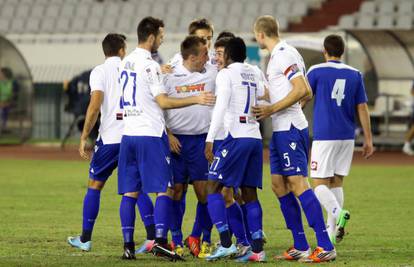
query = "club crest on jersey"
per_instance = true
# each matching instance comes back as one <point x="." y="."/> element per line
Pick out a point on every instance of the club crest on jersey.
<point x="293" y="145"/>
<point x="224" y="152"/>
<point x="314" y="165"/>
<point x="190" y="88"/>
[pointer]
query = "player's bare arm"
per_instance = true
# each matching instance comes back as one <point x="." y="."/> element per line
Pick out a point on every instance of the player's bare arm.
<point x="204" y="98"/>
<point x="363" y="114"/>
<point x="175" y="145"/>
<point x="90" y="121"/>
<point x="208" y="152"/>
<point x="166" y="68"/>
<point x="300" y="90"/>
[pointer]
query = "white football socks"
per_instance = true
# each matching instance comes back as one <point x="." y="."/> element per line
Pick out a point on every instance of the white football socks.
<point x="331" y="203"/>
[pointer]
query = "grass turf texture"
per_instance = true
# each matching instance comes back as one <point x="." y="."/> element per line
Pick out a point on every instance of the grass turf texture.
<point x="41" y="204"/>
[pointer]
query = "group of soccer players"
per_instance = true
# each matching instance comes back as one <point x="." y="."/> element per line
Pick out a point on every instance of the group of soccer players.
<point x="196" y="120"/>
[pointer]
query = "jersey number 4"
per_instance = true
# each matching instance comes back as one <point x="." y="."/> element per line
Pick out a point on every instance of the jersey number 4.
<point x="338" y="91"/>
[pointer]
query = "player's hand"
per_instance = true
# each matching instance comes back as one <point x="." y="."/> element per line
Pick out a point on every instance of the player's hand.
<point x="262" y="112"/>
<point x="166" y="69"/>
<point x="367" y="150"/>
<point x="206" y="99"/>
<point x="175" y="145"/>
<point x="208" y="152"/>
<point x="82" y="149"/>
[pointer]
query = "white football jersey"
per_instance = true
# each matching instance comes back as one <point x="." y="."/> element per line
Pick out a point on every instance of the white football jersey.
<point x="238" y="86"/>
<point x="195" y="119"/>
<point x="141" y="82"/>
<point x="284" y="65"/>
<point x="104" y="78"/>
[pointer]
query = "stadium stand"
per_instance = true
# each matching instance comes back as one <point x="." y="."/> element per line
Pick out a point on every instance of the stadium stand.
<point x="380" y="14"/>
<point x="88" y="16"/>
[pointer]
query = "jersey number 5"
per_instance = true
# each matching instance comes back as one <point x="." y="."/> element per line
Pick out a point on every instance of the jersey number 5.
<point x="338" y="91"/>
<point x="125" y="76"/>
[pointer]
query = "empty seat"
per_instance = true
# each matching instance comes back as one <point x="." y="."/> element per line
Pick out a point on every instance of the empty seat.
<point x="93" y="24"/>
<point x="365" y="22"/>
<point x="406" y="7"/>
<point x="299" y="8"/>
<point x="367" y="7"/>
<point x="190" y="8"/>
<point x="283" y="23"/>
<point x="47" y="25"/>
<point x="17" y="25"/>
<point x="206" y="7"/>
<point x="37" y="11"/>
<point x="232" y="23"/>
<point x="68" y="11"/>
<point x="347" y="22"/>
<point x="127" y="10"/>
<point x="82" y="11"/>
<point x="385" y="7"/>
<point x="267" y="8"/>
<point x="22" y="11"/>
<point x="283" y="8"/>
<point x="7" y="11"/>
<point x="78" y="25"/>
<point x="112" y="10"/>
<point x="52" y="11"/>
<point x="144" y="9"/>
<point x="404" y="22"/>
<point x="221" y="8"/>
<point x="4" y="25"/>
<point x="97" y="10"/>
<point x="385" y="22"/>
<point x="62" y="25"/>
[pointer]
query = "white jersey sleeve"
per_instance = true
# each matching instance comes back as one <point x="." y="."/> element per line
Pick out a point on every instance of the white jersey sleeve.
<point x="287" y="64"/>
<point x="97" y="79"/>
<point x="154" y="80"/>
<point x="223" y="93"/>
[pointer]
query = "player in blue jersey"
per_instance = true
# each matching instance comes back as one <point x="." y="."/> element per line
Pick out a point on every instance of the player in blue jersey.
<point x="144" y="156"/>
<point x="338" y="91"/>
<point x="105" y="95"/>
<point x="290" y="142"/>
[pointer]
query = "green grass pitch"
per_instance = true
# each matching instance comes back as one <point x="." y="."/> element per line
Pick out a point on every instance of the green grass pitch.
<point x="41" y="204"/>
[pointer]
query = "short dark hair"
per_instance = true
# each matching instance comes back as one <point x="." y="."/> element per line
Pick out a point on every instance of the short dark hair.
<point x="190" y="46"/>
<point x="148" y="26"/>
<point x="112" y="43"/>
<point x="224" y="34"/>
<point x="235" y="50"/>
<point x="334" y="45"/>
<point x="198" y="24"/>
<point x="222" y="42"/>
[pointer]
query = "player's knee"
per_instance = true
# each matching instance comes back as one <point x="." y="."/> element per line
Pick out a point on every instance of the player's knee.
<point x="249" y="194"/>
<point x="298" y="185"/>
<point x="95" y="184"/>
<point x="228" y="196"/>
<point x="213" y="187"/>
<point x="131" y="194"/>
<point x="178" y="191"/>
<point x="337" y="181"/>
<point x="279" y="189"/>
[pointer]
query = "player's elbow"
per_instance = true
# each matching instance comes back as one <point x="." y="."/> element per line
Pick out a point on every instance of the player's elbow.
<point x="162" y="101"/>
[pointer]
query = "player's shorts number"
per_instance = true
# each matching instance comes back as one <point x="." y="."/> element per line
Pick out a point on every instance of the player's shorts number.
<point x="215" y="163"/>
<point x="125" y="78"/>
<point x="338" y="91"/>
<point x="248" y="86"/>
<point x="286" y="157"/>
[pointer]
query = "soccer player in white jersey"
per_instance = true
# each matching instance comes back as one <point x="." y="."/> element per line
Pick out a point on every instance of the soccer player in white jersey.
<point x="144" y="158"/>
<point x="238" y="162"/>
<point x="338" y="90"/>
<point x="202" y="28"/>
<point x="105" y="97"/>
<point x="290" y="143"/>
<point x="188" y="127"/>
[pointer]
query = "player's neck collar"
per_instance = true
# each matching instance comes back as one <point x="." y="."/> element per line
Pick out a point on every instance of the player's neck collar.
<point x="334" y="61"/>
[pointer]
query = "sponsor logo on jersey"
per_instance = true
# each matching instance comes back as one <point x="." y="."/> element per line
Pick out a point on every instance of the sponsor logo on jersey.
<point x="92" y="171"/>
<point x="180" y="75"/>
<point x="190" y="88"/>
<point x="224" y="152"/>
<point x="314" y="165"/>
<point x="293" y="145"/>
<point x="297" y="169"/>
<point x="168" y="159"/>
<point x="220" y="177"/>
